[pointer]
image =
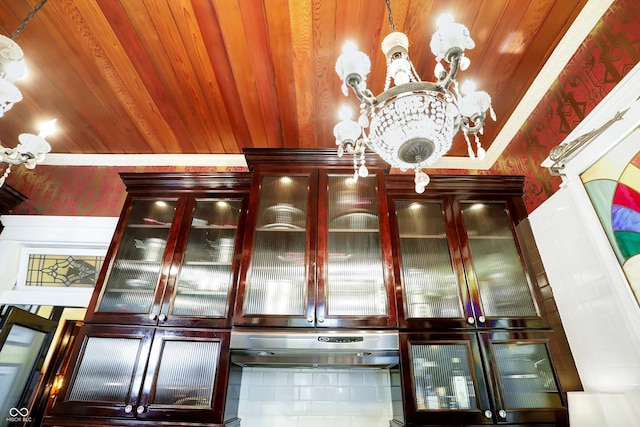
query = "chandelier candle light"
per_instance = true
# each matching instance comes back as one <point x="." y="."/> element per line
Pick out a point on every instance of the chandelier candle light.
<point x="412" y="123"/>
<point x="31" y="148"/>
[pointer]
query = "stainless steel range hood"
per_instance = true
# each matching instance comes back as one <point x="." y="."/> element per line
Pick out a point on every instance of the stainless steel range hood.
<point x="314" y="349"/>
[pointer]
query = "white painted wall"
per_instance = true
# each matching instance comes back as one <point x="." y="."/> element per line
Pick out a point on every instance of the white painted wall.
<point x="599" y="313"/>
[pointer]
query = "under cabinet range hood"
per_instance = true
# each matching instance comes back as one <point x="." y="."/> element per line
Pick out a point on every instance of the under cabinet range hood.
<point x="314" y="349"/>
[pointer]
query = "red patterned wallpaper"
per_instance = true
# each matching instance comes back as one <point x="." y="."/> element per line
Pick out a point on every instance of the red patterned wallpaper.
<point x="605" y="57"/>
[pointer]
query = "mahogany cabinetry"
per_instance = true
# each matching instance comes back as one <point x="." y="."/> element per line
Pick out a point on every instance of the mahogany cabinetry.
<point x="317" y="249"/>
<point x="155" y="344"/>
<point x="299" y="243"/>
<point x="476" y="346"/>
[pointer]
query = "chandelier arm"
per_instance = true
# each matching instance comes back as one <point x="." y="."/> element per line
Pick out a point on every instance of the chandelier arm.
<point x="12" y="157"/>
<point x="454" y="60"/>
<point x="478" y="124"/>
<point x="353" y="81"/>
<point x="407" y="88"/>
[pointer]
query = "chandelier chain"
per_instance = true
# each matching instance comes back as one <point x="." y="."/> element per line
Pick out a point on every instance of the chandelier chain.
<point x="390" y="15"/>
<point x="27" y="19"/>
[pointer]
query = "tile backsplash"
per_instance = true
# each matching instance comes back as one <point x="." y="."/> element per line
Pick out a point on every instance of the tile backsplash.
<point x="299" y="397"/>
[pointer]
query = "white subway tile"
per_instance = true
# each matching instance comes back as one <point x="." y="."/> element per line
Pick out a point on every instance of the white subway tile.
<point x="323" y="407"/>
<point x="327" y="378"/>
<point x="300" y="378"/>
<point x="274" y="377"/>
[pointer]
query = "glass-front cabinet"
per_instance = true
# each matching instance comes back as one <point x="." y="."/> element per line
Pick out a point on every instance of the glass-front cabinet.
<point x="460" y="265"/>
<point x="480" y="378"/>
<point x="172" y="261"/>
<point x="146" y="373"/>
<point x="319" y="246"/>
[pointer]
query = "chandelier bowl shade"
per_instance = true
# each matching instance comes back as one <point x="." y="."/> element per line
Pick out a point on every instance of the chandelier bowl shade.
<point x="413" y="129"/>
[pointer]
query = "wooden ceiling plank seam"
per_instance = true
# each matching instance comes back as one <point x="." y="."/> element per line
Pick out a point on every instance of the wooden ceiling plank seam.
<point x="301" y="16"/>
<point x="209" y="25"/>
<point x="222" y="140"/>
<point x="238" y="51"/>
<point x="258" y="37"/>
<point x="347" y="30"/>
<point x="79" y="69"/>
<point x="150" y="26"/>
<point x="41" y="94"/>
<point x="556" y="23"/>
<point x="183" y="79"/>
<point x="122" y="78"/>
<point x="281" y="48"/>
<point x="323" y="63"/>
<point x="152" y="100"/>
<point x="504" y="70"/>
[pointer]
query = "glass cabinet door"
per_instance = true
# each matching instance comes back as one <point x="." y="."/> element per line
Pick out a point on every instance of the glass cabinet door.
<point x="447" y="380"/>
<point x="524" y="377"/>
<point x="107" y="377"/>
<point x="205" y="279"/>
<point x="184" y="373"/>
<point x="352" y="281"/>
<point x="135" y="273"/>
<point x="431" y="281"/>
<point x="499" y="274"/>
<point x="277" y="281"/>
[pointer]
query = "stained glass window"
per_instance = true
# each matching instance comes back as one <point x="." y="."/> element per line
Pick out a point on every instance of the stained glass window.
<point x="65" y="271"/>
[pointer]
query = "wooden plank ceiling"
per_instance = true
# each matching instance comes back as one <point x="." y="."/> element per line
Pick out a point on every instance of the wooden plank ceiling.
<point x="217" y="76"/>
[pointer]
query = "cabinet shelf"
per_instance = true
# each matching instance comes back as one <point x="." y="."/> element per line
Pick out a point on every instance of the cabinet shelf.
<point x="205" y="263"/>
<point x="354" y="230"/>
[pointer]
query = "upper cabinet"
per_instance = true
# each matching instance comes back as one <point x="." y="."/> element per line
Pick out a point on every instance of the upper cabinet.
<point x="316" y="250"/>
<point x="459" y="262"/>
<point x="172" y="258"/>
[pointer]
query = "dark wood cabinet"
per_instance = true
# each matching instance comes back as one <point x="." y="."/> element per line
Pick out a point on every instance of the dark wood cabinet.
<point x="459" y="261"/>
<point x="316" y="250"/>
<point x="301" y="242"/>
<point x="146" y="373"/>
<point x="173" y="260"/>
<point x="475" y="378"/>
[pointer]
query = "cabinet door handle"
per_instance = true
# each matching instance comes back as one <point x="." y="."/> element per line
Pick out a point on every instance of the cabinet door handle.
<point x="488" y="414"/>
<point x="481" y="319"/>
<point x="471" y="320"/>
<point x="140" y="409"/>
<point x="321" y="319"/>
<point x="128" y="409"/>
<point x="502" y="413"/>
<point x="309" y="319"/>
<point x="153" y="316"/>
<point x="162" y="317"/>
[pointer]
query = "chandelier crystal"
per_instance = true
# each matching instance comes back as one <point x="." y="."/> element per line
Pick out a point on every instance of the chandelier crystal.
<point x="411" y="124"/>
<point x="31" y="148"/>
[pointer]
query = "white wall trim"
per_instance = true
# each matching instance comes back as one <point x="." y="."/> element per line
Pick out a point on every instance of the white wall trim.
<point x="30" y="233"/>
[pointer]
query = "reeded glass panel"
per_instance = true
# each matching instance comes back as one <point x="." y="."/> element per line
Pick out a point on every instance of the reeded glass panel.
<point x="442" y="376"/>
<point x="186" y="374"/>
<point x="429" y="283"/>
<point x="106" y="370"/>
<point x="136" y="269"/>
<point x="502" y="283"/>
<point x="355" y="276"/>
<point x="277" y="282"/>
<point x="205" y="278"/>
<point x="526" y="375"/>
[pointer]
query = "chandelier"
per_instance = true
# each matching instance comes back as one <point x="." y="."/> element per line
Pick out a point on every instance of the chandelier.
<point x="411" y="124"/>
<point x="31" y="148"/>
